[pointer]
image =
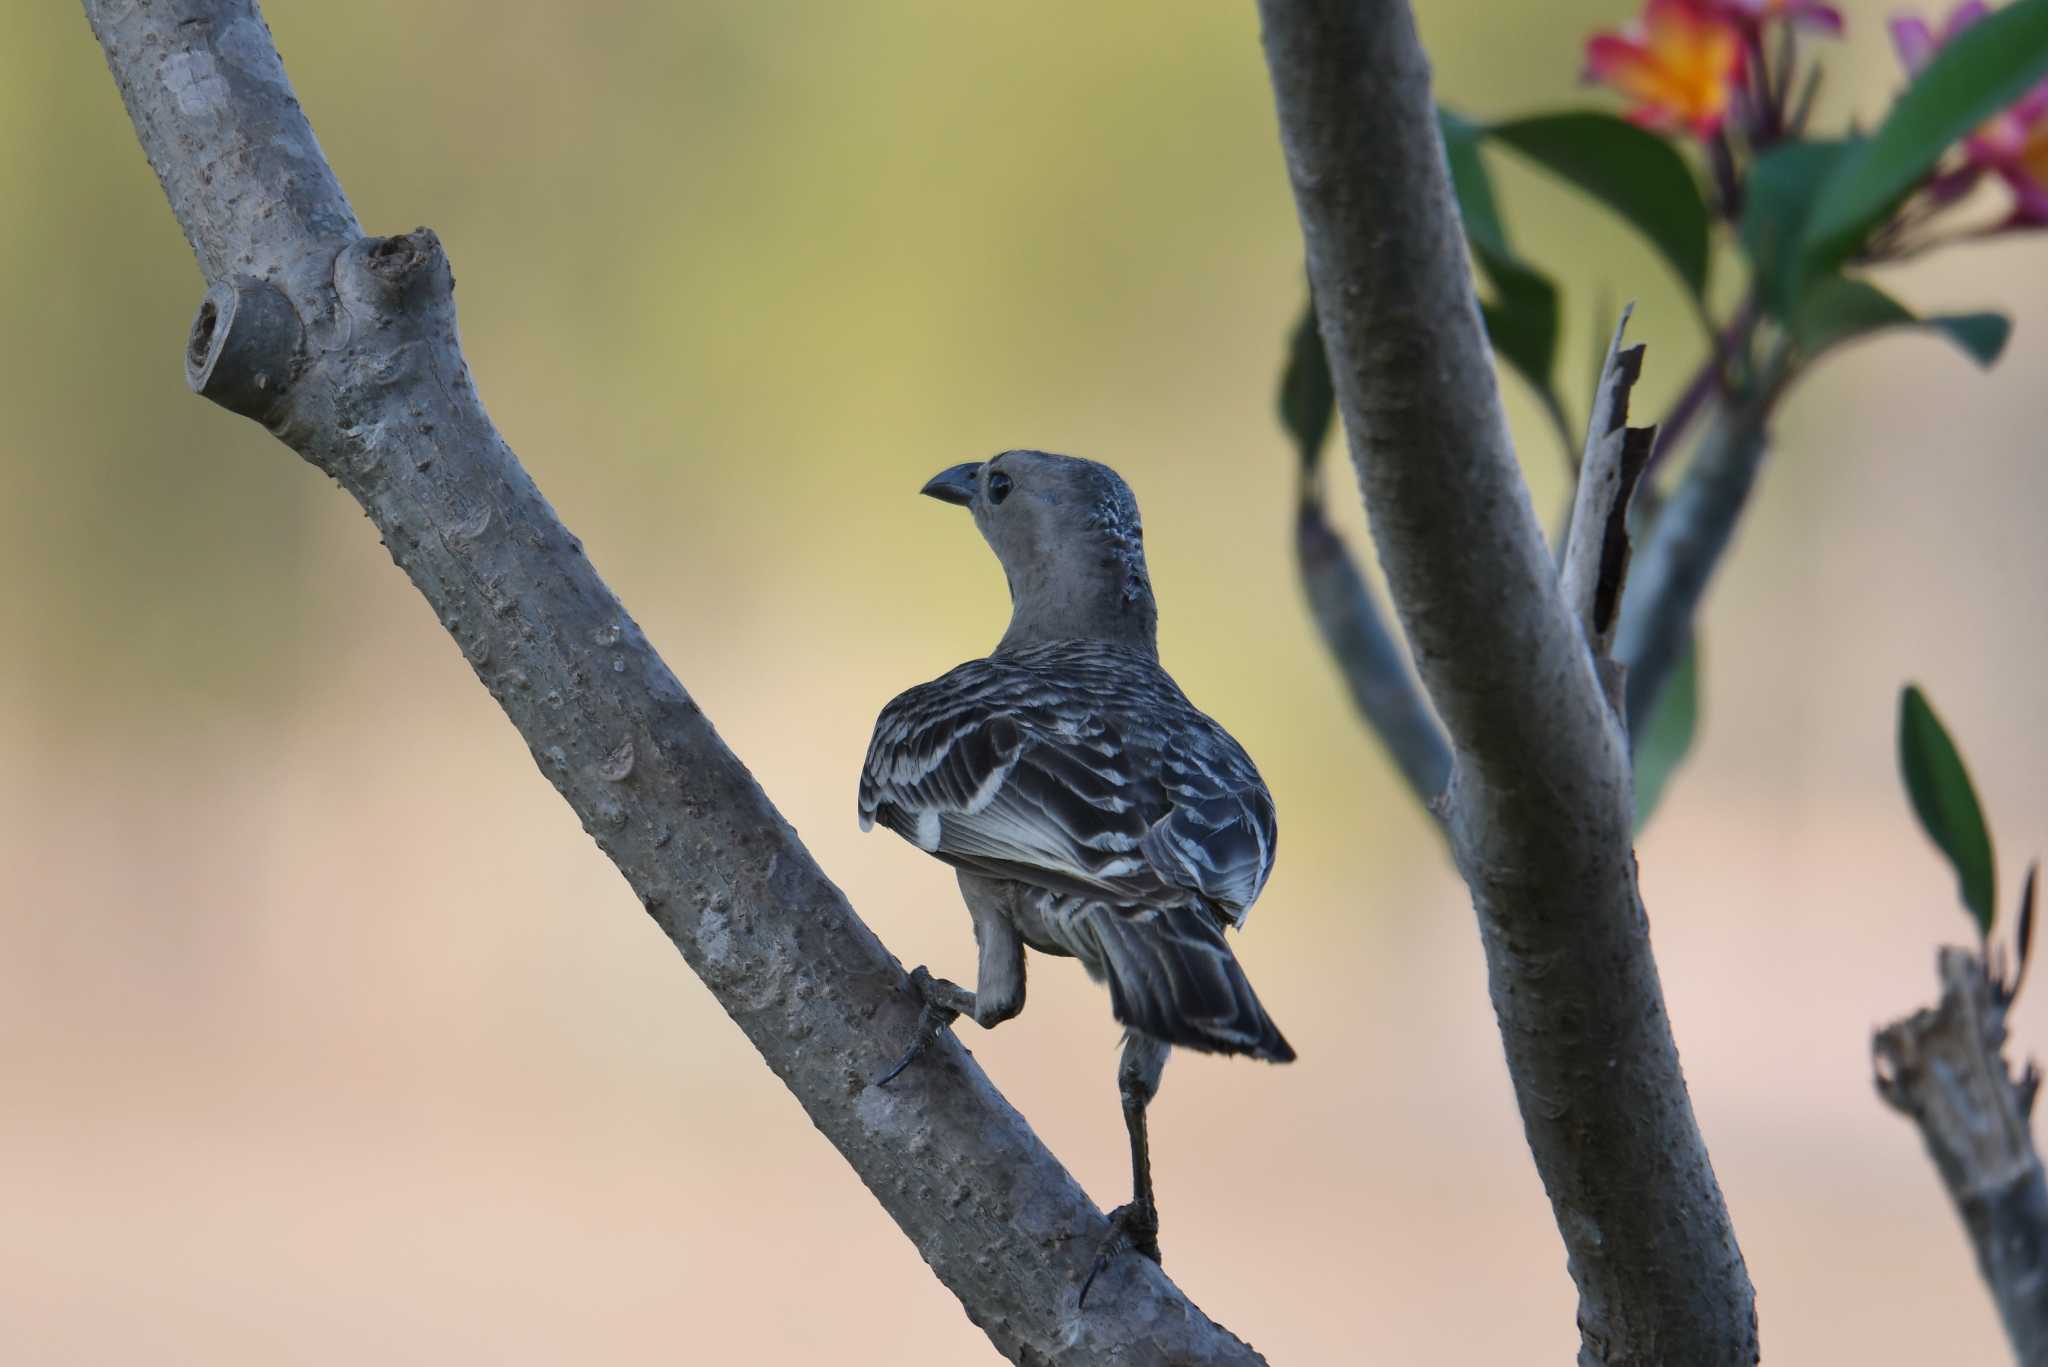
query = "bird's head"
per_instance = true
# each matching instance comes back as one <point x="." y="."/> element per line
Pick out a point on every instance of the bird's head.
<point x="1068" y="536"/>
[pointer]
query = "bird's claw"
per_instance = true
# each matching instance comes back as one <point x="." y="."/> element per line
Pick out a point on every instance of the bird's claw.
<point x="1133" y="1228"/>
<point x="930" y="1021"/>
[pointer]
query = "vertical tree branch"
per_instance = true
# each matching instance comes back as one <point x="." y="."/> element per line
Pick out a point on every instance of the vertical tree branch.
<point x="1945" y="1070"/>
<point x="1539" y="805"/>
<point x="345" y="347"/>
<point x="1365" y="652"/>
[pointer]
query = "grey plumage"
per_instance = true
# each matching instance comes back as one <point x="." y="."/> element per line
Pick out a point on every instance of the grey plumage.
<point x="1089" y="808"/>
<point x="1134" y="825"/>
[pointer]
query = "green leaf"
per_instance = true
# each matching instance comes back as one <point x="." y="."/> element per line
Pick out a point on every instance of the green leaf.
<point x="1836" y="309"/>
<point x="1308" y="402"/>
<point x="1778" y="201"/>
<point x="1522" y="314"/>
<point x="1946" y="803"/>
<point x="1982" y="70"/>
<point x="1668" y="736"/>
<point x="1521" y="319"/>
<point x="1629" y="169"/>
<point x="1785" y="188"/>
<point x="1473" y="187"/>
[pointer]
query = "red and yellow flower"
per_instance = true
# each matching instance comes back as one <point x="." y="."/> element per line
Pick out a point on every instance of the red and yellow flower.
<point x="1680" y="64"/>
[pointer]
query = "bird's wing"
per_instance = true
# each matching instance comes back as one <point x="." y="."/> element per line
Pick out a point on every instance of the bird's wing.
<point x="1074" y="780"/>
<point x="1219" y="836"/>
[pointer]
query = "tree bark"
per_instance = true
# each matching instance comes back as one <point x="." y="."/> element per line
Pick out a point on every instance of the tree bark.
<point x="1539" y="805"/>
<point x="1594" y="559"/>
<point x="345" y="348"/>
<point x="1945" y="1070"/>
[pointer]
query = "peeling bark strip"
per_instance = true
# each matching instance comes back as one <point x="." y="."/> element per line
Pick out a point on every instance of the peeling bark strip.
<point x="1596" y="544"/>
<point x="1596" y="552"/>
<point x="1539" y="805"/>
<point x="345" y="347"/>
<point x="1945" y="1070"/>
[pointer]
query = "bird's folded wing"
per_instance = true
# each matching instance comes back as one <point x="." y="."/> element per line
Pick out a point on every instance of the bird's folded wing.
<point x="1218" y="838"/>
<point x="1143" y="809"/>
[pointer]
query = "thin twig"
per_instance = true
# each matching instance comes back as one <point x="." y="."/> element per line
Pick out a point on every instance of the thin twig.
<point x="1712" y="379"/>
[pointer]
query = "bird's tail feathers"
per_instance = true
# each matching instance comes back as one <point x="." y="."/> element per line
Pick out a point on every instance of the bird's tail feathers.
<point x="1172" y="976"/>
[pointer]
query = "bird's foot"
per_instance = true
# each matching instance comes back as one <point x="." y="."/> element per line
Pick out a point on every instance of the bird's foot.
<point x="1133" y="1228"/>
<point x="935" y="1016"/>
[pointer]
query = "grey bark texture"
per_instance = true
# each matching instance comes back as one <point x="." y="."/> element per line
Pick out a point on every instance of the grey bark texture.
<point x="345" y="347"/>
<point x="1945" y="1070"/>
<point x="1539" y="806"/>
<point x="1685" y="543"/>
<point x="1593" y="565"/>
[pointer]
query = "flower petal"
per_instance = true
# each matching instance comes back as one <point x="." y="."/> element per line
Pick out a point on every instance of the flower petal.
<point x="2030" y="203"/>
<point x="1962" y="16"/>
<point x="1910" y="35"/>
<point x="1680" y="64"/>
<point x="1610" y="54"/>
<point x="2032" y="107"/>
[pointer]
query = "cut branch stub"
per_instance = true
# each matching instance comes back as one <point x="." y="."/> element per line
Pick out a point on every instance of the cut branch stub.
<point x="1945" y="1070"/>
<point x="245" y="349"/>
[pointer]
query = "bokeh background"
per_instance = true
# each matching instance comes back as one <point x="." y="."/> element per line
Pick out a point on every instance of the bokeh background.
<point x="327" y="1037"/>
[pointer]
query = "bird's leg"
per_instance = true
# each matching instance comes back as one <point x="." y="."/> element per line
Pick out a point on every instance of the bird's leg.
<point x="1000" y="985"/>
<point x="1134" y="1225"/>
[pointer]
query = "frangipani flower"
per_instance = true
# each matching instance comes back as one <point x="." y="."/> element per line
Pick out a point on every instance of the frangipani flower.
<point x="2012" y="144"/>
<point x="1680" y="64"/>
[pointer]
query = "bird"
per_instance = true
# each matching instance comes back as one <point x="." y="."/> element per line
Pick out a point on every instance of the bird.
<point x="1088" y="809"/>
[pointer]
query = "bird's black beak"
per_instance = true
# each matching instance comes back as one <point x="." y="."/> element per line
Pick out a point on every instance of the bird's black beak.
<point x="956" y="485"/>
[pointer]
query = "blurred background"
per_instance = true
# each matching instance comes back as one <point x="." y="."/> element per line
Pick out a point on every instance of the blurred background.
<point x="326" y="1036"/>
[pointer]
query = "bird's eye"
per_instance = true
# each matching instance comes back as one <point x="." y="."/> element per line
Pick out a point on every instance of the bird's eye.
<point x="998" y="487"/>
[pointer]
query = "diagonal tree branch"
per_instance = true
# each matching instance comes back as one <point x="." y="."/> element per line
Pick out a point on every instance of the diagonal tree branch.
<point x="1368" y="656"/>
<point x="1681" y="552"/>
<point x="1539" y="806"/>
<point x="345" y="347"/>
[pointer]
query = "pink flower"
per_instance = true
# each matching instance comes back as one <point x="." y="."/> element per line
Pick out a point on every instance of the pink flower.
<point x="2013" y="144"/>
<point x="1680" y="64"/>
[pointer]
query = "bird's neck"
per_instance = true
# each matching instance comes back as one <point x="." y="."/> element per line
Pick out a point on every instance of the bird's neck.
<point x="1111" y="602"/>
